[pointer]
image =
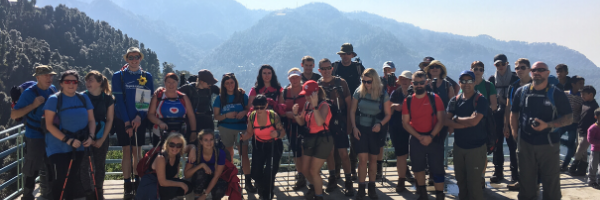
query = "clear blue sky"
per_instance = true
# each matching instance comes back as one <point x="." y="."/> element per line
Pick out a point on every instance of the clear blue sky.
<point x="575" y="24"/>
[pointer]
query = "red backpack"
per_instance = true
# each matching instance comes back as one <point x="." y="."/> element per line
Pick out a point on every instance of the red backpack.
<point x="145" y="164"/>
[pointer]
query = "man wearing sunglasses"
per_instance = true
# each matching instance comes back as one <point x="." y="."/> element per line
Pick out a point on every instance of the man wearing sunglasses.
<point x="501" y="79"/>
<point x="537" y="109"/>
<point x="308" y="64"/>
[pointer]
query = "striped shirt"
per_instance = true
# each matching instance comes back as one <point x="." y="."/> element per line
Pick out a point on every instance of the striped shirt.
<point x="576" y="104"/>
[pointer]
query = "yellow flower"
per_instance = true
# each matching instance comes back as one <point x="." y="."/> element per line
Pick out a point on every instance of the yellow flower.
<point x="142" y="80"/>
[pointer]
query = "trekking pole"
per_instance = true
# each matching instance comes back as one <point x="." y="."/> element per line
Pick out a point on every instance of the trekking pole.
<point x="241" y="165"/>
<point x="289" y="159"/>
<point x="271" y="180"/>
<point x="68" y="172"/>
<point x="91" y="172"/>
<point x="138" y="149"/>
<point x="132" y="175"/>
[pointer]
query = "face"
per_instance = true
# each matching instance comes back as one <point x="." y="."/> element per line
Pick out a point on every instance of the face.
<point x="435" y="70"/>
<point x="561" y="73"/>
<point x="368" y="82"/>
<point x="69" y="84"/>
<point x="134" y="59"/>
<point x="522" y="70"/>
<point x="230" y="85"/>
<point x="578" y="86"/>
<point x="587" y="96"/>
<point x="325" y="69"/>
<point x="171" y="84"/>
<point x="207" y="141"/>
<point x="404" y="81"/>
<point x="91" y="83"/>
<point x="478" y="71"/>
<point x="388" y="70"/>
<point x="202" y="83"/>
<point x="419" y="84"/>
<point x="501" y="66"/>
<point x="266" y="75"/>
<point x="45" y="79"/>
<point x="175" y="146"/>
<point x="347" y="57"/>
<point x="466" y="83"/>
<point x="308" y="66"/>
<point x="540" y="73"/>
<point x="295" y="80"/>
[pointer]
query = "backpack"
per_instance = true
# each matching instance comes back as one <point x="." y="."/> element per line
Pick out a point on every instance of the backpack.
<point x="15" y="95"/>
<point x="359" y="67"/>
<point x="59" y="108"/>
<point x="549" y="95"/>
<point x="431" y="96"/>
<point x="145" y="164"/>
<point x="336" y="124"/>
<point x="381" y="114"/>
<point x="489" y="122"/>
<point x="272" y="116"/>
<point x="172" y="123"/>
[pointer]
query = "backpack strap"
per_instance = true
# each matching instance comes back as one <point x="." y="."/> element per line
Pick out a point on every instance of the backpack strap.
<point x="335" y="67"/>
<point x="487" y="88"/>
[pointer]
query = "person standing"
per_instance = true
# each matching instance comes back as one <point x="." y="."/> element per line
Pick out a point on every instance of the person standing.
<point x="308" y="64"/>
<point x="398" y="134"/>
<point x="579" y="166"/>
<point x="574" y="96"/>
<point x="564" y="81"/>
<point x="389" y="79"/>
<point x="201" y="93"/>
<point x="30" y="106"/>
<point x="593" y="138"/>
<point x="538" y="108"/>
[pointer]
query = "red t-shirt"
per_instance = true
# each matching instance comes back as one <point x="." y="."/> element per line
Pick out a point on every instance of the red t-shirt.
<point x="421" y="118"/>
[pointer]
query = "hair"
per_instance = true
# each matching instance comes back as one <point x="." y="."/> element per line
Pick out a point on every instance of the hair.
<point x="101" y="79"/>
<point x="293" y="69"/>
<point x="169" y="138"/>
<point x="260" y="83"/>
<point x="324" y="60"/>
<point x="201" y="135"/>
<point x="419" y="74"/>
<point x="443" y="72"/>
<point x="575" y="79"/>
<point x="524" y="61"/>
<point x="376" y="87"/>
<point x="307" y="59"/>
<point x="597" y="112"/>
<point x="68" y="73"/>
<point x="477" y="63"/>
<point x="237" y="94"/>
<point x="562" y="67"/>
<point x="260" y="100"/>
<point x="171" y="75"/>
<point x="589" y="89"/>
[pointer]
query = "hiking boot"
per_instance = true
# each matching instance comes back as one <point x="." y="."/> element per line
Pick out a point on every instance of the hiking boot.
<point x="496" y="178"/>
<point x="409" y="177"/>
<point x="573" y="167"/>
<point x="45" y="185"/>
<point x="332" y="183"/>
<point x="354" y="176"/>
<point x="439" y="195"/>
<point x="581" y="169"/>
<point x="594" y="185"/>
<point x="27" y="194"/>
<point x="310" y="195"/>
<point x="318" y="197"/>
<point x="300" y="183"/>
<point x="401" y="187"/>
<point x="379" y="174"/>
<point x="514" y="186"/>
<point x="349" y="187"/>
<point x="128" y="191"/>
<point x="372" y="191"/>
<point x="360" y="195"/>
<point x="422" y="192"/>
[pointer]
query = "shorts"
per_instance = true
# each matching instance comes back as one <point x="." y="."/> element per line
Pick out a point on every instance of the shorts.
<point x="35" y="156"/>
<point x="295" y="134"/>
<point x="369" y="142"/>
<point x="123" y="138"/>
<point x="400" y="138"/>
<point x="230" y="137"/>
<point x="341" y="140"/>
<point x="420" y="156"/>
<point x="318" y="145"/>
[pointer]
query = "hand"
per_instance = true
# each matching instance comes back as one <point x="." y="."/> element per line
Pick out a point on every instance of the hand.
<point x="129" y="130"/>
<point x="163" y="126"/>
<point x="184" y="187"/>
<point x="39" y="101"/>
<point x="274" y="134"/>
<point x="240" y="115"/>
<point x="137" y="121"/>
<point x="231" y="115"/>
<point x="192" y="154"/>
<point x="242" y="91"/>
<point x="246" y="136"/>
<point x="426" y="140"/>
<point x="98" y="143"/>
<point x="206" y="168"/>
<point x="356" y="133"/>
<point x="88" y="142"/>
<point x="74" y="143"/>
<point x="506" y="132"/>
<point x="376" y="128"/>
<point x="543" y="125"/>
<point x="295" y="109"/>
<point x="314" y="99"/>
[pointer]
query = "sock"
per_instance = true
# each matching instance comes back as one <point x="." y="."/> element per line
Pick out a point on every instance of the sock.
<point x="439" y="192"/>
<point x="348" y="176"/>
<point x="362" y="184"/>
<point x="379" y="162"/>
<point x="319" y="195"/>
<point x="371" y="182"/>
<point x="332" y="173"/>
<point x="137" y="178"/>
<point x="127" y="180"/>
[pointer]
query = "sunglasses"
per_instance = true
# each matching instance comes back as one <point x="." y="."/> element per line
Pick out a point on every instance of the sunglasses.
<point x="70" y="81"/>
<point x="467" y="81"/>
<point x="435" y="67"/>
<point x="520" y="68"/>
<point x="175" y="145"/>
<point x="137" y="57"/>
<point x="419" y="83"/>
<point x="325" y="68"/>
<point x="478" y="69"/>
<point x="539" y="70"/>
<point x="367" y="82"/>
<point x="260" y="107"/>
<point x="229" y="74"/>
<point x="499" y="64"/>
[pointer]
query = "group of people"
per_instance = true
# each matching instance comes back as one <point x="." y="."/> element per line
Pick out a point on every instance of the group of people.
<point x="346" y="106"/>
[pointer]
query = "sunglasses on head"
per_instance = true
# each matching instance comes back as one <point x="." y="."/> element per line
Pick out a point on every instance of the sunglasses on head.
<point x="419" y="83"/>
<point x="175" y="145"/>
<point x="539" y="70"/>
<point x="517" y="68"/>
<point x="435" y="67"/>
<point x="229" y="74"/>
<point x="136" y="57"/>
<point x="325" y="68"/>
<point x="467" y="81"/>
<point x="260" y="107"/>
<point x="367" y="82"/>
<point x="70" y="81"/>
<point x="478" y="69"/>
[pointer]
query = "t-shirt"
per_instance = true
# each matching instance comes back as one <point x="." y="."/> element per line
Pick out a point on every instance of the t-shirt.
<point x="483" y="90"/>
<point x="333" y="92"/>
<point x="71" y="120"/>
<point x="397" y="97"/>
<point x="541" y="108"/>
<point x="314" y="77"/>
<point x="235" y="124"/>
<point x="587" y="116"/>
<point x="211" y="162"/>
<point x="471" y="137"/>
<point x="593" y="137"/>
<point x="33" y="118"/>
<point x="369" y="106"/>
<point x="512" y="88"/>
<point x="575" y="100"/>
<point x="420" y="117"/>
<point x="269" y="92"/>
<point x="100" y="111"/>
<point x="125" y="110"/>
<point x="349" y="73"/>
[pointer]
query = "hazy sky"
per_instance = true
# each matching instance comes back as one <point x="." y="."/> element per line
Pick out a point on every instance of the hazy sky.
<point x="575" y="24"/>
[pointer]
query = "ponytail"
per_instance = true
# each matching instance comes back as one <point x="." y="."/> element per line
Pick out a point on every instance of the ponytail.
<point x="105" y="86"/>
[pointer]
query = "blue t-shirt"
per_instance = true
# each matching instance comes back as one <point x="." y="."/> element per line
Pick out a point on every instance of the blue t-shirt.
<point x="235" y="124"/>
<point x="471" y="137"/>
<point x="33" y="118"/>
<point x="127" y="112"/>
<point x="71" y="120"/>
<point x="211" y="162"/>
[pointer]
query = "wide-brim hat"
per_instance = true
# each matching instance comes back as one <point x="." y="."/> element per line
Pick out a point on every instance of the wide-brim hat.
<point x="437" y="62"/>
<point x="133" y="50"/>
<point x="207" y="76"/>
<point x="347" y="48"/>
<point x="43" y="70"/>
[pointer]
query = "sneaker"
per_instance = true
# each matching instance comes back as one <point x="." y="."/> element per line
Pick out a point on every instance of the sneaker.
<point x="249" y="187"/>
<point x="594" y="185"/>
<point x="514" y="186"/>
<point x="349" y="188"/>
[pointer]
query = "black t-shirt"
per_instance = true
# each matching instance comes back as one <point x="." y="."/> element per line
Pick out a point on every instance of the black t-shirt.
<point x="350" y="74"/>
<point x="201" y="99"/>
<point x="101" y="104"/>
<point x="539" y="106"/>
<point x="397" y="96"/>
<point x="512" y="89"/>
<point x="314" y="77"/>
<point x="587" y="116"/>
<point x="471" y="137"/>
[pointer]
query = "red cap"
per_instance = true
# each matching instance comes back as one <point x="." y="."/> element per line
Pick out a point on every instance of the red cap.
<point x="309" y="87"/>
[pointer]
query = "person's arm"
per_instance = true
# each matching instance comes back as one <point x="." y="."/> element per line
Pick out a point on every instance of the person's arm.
<point x="320" y="115"/>
<point x="348" y="101"/>
<point x="217" y="110"/>
<point x="152" y="113"/>
<point x="249" y="130"/>
<point x="22" y="110"/>
<point x="159" y="165"/>
<point x="49" y="115"/>
<point x="110" y="115"/>
<point x="451" y="92"/>
<point x="119" y="95"/>
<point x="281" y="98"/>
<point x="507" y="121"/>
<point x="440" y="114"/>
<point x="91" y="127"/>
<point x="251" y="96"/>
<point x="451" y="123"/>
<point x="408" y="127"/>
<point x="514" y="123"/>
<point x="298" y="116"/>
<point x="189" y="113"/>
<point x="494" y="102"/>
<point x="387" y="109"/>
<point x="279" y="127"/>
<point x="563" y="108"/>
<point x="353" y="107"/>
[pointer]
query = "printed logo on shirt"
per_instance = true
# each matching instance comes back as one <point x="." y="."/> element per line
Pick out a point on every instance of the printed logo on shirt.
<point x="174" y="110"/>
<point x="547" y="103"/>
<point x="133" y="85"/>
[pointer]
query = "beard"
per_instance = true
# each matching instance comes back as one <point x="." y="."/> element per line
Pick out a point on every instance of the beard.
<point x="538" y="80"/>
<point x="420" y="91"/>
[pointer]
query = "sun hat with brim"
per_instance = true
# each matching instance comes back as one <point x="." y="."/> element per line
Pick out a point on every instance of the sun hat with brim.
<point x="347" y="48"/>
<point x="294" y="73"/>
<point x="437" y="62"/>
<point x="406" y="74"/>
<point x="43" y="70"/>
<point x="309" y="87"/>
<point x="206" y="76"/>
<point x="133" y="50"/>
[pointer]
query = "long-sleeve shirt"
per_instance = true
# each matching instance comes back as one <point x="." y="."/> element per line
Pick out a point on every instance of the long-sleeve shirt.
<point x="593" y="137"/>
<point x="587" y="116"/>
<point x="125" y="110"/>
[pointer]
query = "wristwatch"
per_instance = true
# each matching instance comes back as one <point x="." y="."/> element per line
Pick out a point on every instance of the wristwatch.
<point x="204" y="193"/>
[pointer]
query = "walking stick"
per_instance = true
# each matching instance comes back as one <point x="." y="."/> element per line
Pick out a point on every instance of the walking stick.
<point x="91" y="172"/>
<point x="132" y="175"/>
<point x="241" y="165"/>
<point x="271" y="181"/>
<point x="68" y="172"/>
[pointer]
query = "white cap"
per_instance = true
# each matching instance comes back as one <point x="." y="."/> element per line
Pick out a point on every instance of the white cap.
<point x="406" y="74"/>
<point x="294" y="73"/>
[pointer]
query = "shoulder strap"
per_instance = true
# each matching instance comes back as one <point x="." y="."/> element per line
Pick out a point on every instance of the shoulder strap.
<point x="272" y="117"/>
<point x="432" y="102"/>
<point x="492" y="79"/>
<point x="408" y="100"/>
<point x="487" y="88"/>
<point x="524" y="92"/>
<point x="358" y="69"/>
<point x="82" y="98"/>
<point x="335" y="66"/>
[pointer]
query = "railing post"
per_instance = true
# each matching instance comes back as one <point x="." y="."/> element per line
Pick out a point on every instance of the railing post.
<point x="20" y="154"/>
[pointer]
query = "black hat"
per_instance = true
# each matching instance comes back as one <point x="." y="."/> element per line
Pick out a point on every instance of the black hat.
<point x="500" y="58"/>
<point x="206" y="76"/>
<point x="347" y="48"/>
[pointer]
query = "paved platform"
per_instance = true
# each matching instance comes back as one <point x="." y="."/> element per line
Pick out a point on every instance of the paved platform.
<point x="571" y="187"/>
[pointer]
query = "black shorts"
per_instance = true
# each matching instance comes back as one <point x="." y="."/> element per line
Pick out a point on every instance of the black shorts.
<point x="124" y="139"/>
<point x="422" y="156"/>
<point x="383" y="135"/>
<point x="369" y="142"/>
<point x="295" y="134"/>
<point x="341" y="140"/>
<point x="400" y="138"/>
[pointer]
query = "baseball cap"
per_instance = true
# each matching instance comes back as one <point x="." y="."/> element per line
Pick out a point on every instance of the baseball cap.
<point x="428" y="59"/>
<point x="467" y="72"/>
<point x="206" y="76"/>
<point x="294" y="73"/>
<point x="43" y="70"/>
<point x="309" y="87"/>
<point x="389" y="64"/>
<point x="406" y="74"/>
<point x="500" y="58"/>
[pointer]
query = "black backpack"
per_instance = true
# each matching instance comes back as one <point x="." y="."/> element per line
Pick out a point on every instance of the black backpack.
<point x="336" y="124"/>
<point x="431" y="96"/>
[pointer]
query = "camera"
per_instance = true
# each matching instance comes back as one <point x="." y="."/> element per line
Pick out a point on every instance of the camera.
<point x="391" y="79"/>
<point x="533" y="122"/>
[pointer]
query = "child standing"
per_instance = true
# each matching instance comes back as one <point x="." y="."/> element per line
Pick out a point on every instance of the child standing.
<point x="594" y="139"/>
